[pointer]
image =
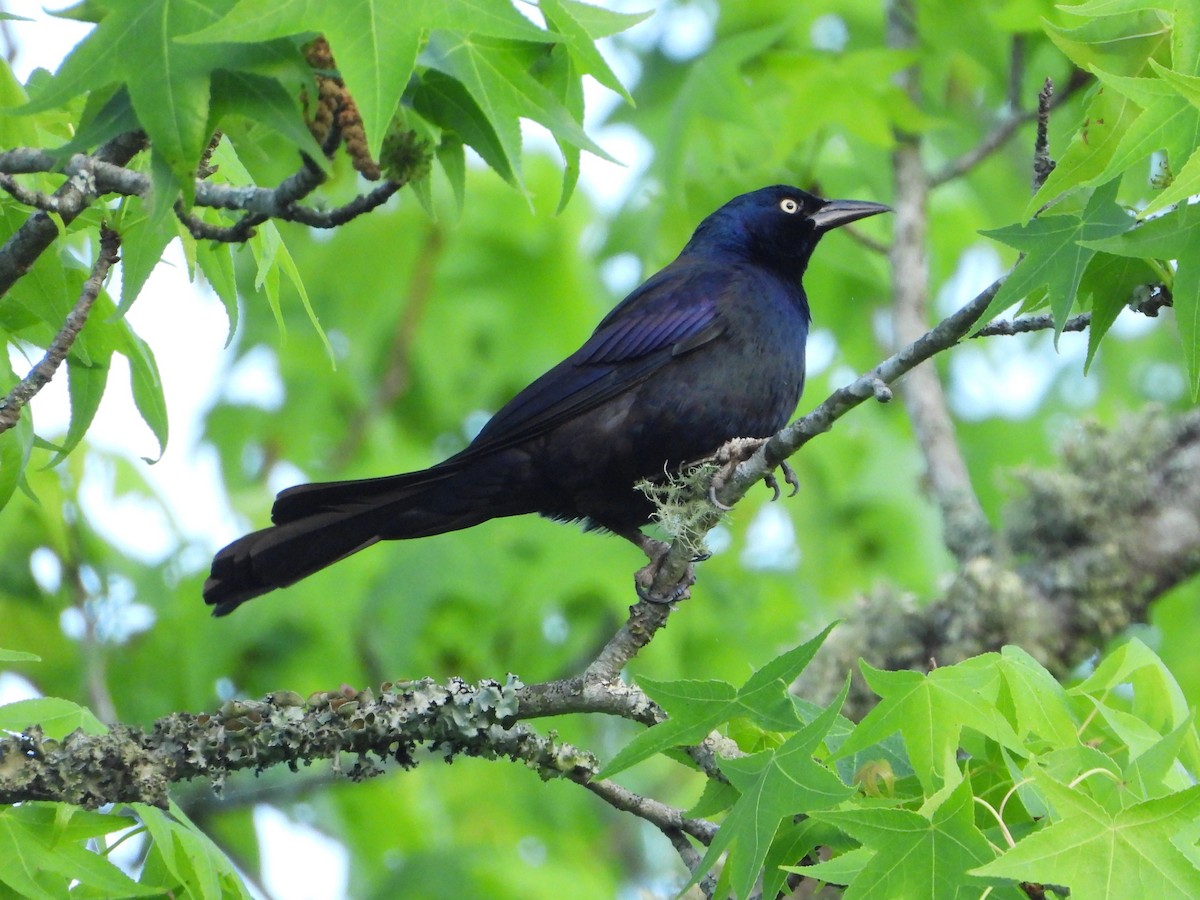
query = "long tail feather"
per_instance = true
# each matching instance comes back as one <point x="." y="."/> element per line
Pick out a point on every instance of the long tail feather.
<point x="318" y="524"/>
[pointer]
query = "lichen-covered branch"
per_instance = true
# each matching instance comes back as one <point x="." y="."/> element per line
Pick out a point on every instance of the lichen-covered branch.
<point x="407" y="723"/>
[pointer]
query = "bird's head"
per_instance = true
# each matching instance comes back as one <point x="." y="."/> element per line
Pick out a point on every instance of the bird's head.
<point x="777" y="226"/>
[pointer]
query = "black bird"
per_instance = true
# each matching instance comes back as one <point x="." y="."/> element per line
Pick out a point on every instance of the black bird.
<point x="708" y="349"/>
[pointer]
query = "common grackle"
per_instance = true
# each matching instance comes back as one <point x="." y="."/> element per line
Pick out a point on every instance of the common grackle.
<point x="708" y="349"/>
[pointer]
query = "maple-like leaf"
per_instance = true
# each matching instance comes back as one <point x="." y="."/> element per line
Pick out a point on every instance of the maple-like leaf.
<point x="697" y="707"/>
<point x="927" y="855"/>
<point x="774" y="785"/>
<point x="1175" y="236"/>
<point x="375" y="43"/>
<point x="1098" y="853"/>
<point x="169" y="83"/>
<point x="930" y="711"/>
<point x="1055" y="253"/>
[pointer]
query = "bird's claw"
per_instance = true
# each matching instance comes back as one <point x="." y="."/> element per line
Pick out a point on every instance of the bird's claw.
<point x="734" y="453"/>
<point x="789" y="475"/>
<point x="770" y="481"/>
<point x="731" y="455"/>
<point x="712" y="494"/>
<point x="643" y="583"/>
<point x="643" y="580"/>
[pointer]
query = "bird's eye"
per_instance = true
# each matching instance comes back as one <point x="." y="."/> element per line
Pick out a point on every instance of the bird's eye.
<point x="789" y="206"/>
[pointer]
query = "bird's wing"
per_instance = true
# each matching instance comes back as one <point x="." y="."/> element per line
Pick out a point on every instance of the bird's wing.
<point x="673" y="313"/>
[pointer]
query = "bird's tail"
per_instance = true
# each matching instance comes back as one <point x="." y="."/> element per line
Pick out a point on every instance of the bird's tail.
<point x="318" y="524"/>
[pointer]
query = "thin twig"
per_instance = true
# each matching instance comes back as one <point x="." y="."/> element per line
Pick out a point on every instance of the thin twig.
<point x="1043" y="165"/>
<point x="28" y="196"/>
<point x="39" y="231"/>
<point x="1027" y="324"/>
<point x="280" y="202"/>
<point x="790" y="439"/>
<point x="645" y="619"/>
<point x="1155" y="298"/>
<point x="778" y="448"/>
<point x="1002" y="132"/>
<point x="40" y="375"/>
<point x="653" y="811"/>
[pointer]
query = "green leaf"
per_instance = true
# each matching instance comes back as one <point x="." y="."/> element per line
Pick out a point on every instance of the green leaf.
<point x="215" y="261"/>
<point x="106" y="114"/>
<point x="1109" y="115"/>
<point x="23" y="859"/>
<point x="697" y="707"/>
<point x="1096" y="853"/>
<point x="1113" y="43"/>
<point x="18" y="656"/>
<point x="1175" y="236"/>
<point x="842" y="869"/>
<point x="1167" y="122"/>
<point x="1041" y="705"/>
<point x="15" y="444"/>
<point x="168" y="82"/>
<point x="1157" y="770"/>
<point x="775" y="785"/>
<point x="1109" y="283"/>
<point x="1187" y="86"/>
<point x="374" y="43"/>
<point x="445" y="102"/>
<point x="56" y="716"/>
<point x="717" y="797"/>
<point x="928" y="854"/>
<point x="85" y="387"/>
<point x="454" y="163"/>
<point x="186" y="856"/>
<point x="582" y="24"/>
<point x="265" y="101"/>
<point x="792" y="843"/>
<point x="270" y="253"/>
<point x="1157" y="697"/>
<point x="930" y="711"/>
<point x="497" y="74"/>
<point x="33" y="851"/>
<point x="63" y="822"/>
<point x="146" y="385"/>
<point x="274" y="257"/>
<point x="1056" y="253"/>
<point x="144" y="237"/>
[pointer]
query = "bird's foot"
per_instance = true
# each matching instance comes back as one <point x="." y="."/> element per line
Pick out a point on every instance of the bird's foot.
<point x="735" y="452"/>
<point x="789" y="476"/>
<point x="643" y="579"/>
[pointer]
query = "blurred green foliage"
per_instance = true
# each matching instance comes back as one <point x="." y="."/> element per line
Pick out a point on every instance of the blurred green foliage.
<point x="436" y="316"/>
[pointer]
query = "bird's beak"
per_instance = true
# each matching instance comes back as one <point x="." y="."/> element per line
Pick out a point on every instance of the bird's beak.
<point x="841" y="212"/>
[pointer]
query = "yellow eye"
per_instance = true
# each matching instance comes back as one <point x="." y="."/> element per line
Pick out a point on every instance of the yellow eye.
<point x="789" y="206"/>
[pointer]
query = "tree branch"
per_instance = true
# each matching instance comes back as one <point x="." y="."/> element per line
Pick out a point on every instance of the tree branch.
<point x="259" y="203"/>
<point x="1003" y="132"/>
<point x="409" y="722"/>
<point x="40" y="375"/>
<point x="38" y="232"/>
